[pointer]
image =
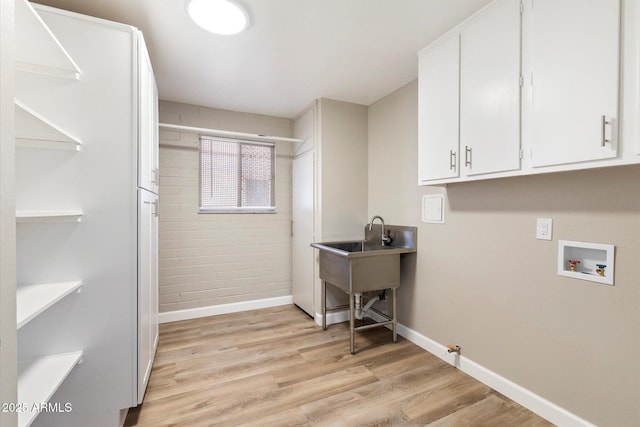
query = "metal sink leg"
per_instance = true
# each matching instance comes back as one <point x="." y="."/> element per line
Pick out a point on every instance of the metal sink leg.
<point x="323" y="298"/>
<point x="352" y="324"/>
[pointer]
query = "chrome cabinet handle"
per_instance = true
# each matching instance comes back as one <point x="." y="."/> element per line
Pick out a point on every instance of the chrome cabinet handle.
<point x="154" y="212"/>
<point x="467" y="156"/>
<point x="603" y="125"/>
<point x="452" y="160"/>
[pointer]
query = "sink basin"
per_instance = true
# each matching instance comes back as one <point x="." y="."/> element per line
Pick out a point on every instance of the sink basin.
<point x="366" y="265"/>
<point x="355" y="248"/>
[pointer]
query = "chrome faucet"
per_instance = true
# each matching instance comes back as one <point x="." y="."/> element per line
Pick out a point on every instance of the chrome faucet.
<point x="385" y="239"/>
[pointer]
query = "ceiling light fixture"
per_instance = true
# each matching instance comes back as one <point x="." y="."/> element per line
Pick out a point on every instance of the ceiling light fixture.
<point x="224" y="17"/>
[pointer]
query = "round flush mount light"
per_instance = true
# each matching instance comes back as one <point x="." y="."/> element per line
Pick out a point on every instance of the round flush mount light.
<point x="224" y="17"/>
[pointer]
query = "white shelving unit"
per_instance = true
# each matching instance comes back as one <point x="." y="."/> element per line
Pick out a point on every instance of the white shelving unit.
<point x="49" y="216"/>
<point x="33" y="130"/>
<point x="35" y="299"/>
<point x="37" y="48"/>
<point x="78" y="217"/>
<point x="38" y="379"/>
<point x="39" y="51"/>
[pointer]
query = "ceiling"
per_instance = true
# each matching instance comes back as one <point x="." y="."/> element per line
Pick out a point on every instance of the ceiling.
<point x="295" y="51"/>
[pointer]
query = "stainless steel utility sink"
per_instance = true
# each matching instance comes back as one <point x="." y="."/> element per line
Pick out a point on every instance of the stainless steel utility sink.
<point x="365" y="265"/>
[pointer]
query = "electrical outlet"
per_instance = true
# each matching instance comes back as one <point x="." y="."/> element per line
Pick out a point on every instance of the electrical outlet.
<point x="544" y="228"/>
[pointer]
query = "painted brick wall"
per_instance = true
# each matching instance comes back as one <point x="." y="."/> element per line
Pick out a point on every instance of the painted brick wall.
<point x="213" y="259"/>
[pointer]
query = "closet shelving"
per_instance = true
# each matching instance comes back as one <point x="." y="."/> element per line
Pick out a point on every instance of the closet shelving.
<point x="32" y="300"/>
<point x="39" y="51"/>
<point x="33" y="130"/>
<point x="49" y="216"/>
<point x="37" y="48"/>
<point x="38" y="379"/>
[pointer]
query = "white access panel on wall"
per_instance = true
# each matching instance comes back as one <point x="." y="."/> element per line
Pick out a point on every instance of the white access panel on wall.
<point x="433" y="208"/>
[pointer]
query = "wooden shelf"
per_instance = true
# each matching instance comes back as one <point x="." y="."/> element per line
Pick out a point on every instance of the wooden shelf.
<point x="33" y="130"/>
<point x="38" y="379"/>
<point x="35" y="299"/>
<point x="37" y="48"/>
<point x="49" y="216"/>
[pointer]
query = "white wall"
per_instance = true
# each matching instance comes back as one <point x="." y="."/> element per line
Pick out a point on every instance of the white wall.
<point x="8" y="349"/>
<point x="484" y="282"/>
<point x="213" y="259"/>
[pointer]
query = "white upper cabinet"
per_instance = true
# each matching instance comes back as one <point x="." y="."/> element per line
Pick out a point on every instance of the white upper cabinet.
<point x="490" y="91"/>
<point x="148" y="121"/>
<point x="531" y="86"/>
<point x="438" y="110"/>
<point x="574" y="76"/>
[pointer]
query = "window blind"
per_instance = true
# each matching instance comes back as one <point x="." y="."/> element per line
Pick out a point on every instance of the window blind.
<point x="236" y="175"/>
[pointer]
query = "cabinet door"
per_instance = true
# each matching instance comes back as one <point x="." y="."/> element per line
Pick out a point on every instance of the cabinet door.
<point x="438" y="89"/>
<point x="147" y="286"/>
<point x="148" y="122"/>
<point x="575" y="54"/>
<point x="490" y="91"/>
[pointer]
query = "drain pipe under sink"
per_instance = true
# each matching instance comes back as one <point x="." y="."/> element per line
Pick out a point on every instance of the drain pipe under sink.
<point x="361" y="312"/>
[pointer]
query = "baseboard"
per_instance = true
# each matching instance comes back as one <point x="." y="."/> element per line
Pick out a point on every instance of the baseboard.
<point x="533" y="402"/>
<point x="333" y="317"/>
<point x="194" y="313"/>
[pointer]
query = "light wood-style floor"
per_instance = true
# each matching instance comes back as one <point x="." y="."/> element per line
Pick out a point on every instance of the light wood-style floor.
<point x="276" y="367"/>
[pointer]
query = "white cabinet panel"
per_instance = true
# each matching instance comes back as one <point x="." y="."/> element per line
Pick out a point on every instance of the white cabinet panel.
<point x="148" y="123"/>
<point x="147" y="286"/>
<point x="574" y="80"/>
<point x="438" y="96"/>
<point x="490" y="91"/>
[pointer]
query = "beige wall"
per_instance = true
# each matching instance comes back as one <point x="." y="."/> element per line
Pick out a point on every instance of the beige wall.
<point x="212" y="259"/>
<point x="343" y="170"/>
<point x="8" y="349"/>
<point x="484" y="282"/>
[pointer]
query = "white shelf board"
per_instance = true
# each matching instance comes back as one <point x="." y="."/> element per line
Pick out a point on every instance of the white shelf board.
<point x="35" y="299"/>
<point x="49" y="216"/>
<point x="37" y="48"/>
<point x="38" y="379"/>
<point x="33" y="130"/>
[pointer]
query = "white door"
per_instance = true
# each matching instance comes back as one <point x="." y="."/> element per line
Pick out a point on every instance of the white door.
<point x="302" y="268"/>
<point x="574" y="80"/>
<point x="148" y="122"/>
<point x="490" y="91"/>
<point x="147" y="286"/>
<point x="438" y="91"/>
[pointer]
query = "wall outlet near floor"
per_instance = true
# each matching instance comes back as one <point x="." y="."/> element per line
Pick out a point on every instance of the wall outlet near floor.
<point x="544" y="228"/>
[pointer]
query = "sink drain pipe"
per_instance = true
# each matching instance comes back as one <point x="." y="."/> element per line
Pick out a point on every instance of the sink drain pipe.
<point x="361" y="311"/>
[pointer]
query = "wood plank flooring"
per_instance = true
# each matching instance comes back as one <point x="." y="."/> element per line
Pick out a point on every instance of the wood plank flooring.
<point x="276" y="367"/>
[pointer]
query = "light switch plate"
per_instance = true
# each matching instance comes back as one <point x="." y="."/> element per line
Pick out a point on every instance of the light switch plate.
<point x="544" y="229"/>
<point x="433" y="208"/>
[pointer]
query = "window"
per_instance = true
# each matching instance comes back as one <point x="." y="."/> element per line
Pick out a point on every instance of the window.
<point x="236" y="175"/>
